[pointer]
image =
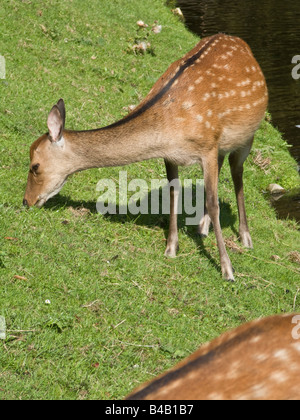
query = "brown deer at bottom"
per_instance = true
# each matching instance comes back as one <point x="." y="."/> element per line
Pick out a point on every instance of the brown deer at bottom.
<point x="257" y="361"/>
<point x="206" y="105"/>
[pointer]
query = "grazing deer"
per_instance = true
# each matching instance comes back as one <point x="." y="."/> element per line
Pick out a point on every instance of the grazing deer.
<point x="207" y="104"/>
<point x="257" y="361"/>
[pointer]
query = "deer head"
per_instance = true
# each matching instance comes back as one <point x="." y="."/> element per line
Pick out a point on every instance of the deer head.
<point x="48" y="156"/>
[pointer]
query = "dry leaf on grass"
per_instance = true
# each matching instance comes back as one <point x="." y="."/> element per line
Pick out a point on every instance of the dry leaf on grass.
<point x="79" y="211"/>
<point x="20" y="278"/>
<point x="261" y="162"/>
<point x="294" y="256"/>
<point x="233" y="246"/>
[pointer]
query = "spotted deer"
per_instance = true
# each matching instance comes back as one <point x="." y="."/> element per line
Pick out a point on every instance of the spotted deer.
<point x="259" y="360"/>
<point x="206" y="105"/>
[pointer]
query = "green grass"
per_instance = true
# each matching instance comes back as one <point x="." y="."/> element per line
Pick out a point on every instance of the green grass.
<point x="120" y="312"/>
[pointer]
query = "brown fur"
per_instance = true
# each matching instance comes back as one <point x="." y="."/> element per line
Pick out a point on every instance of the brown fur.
<point x="257" y="361"/>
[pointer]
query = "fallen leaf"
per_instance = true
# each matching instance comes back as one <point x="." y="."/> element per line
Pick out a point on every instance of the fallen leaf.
<point x="20" y="278"/>
<point x="79" y="211"/>
<point x="294" y="256"/>
<point x="261" y="162"/>
<point x="233" y="246"/>
<point x="44" y="29"/>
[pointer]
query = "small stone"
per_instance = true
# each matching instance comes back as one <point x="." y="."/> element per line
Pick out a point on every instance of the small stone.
<point x="275" y="189"/>
<point x="142" y="24"/>
<point x="178" y="12"/>
<point x="157" y="29"/>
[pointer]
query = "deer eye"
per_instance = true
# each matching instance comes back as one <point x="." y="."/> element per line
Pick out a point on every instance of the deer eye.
<point x="35" y="167"/>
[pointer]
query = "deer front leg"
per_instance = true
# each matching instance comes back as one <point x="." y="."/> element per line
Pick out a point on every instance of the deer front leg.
<point x="172" y="241"/>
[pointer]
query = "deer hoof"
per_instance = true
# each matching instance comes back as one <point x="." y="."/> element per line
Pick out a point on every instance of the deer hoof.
<point x="171" y="251"/>
<point x="246" y="240"/>
<point x="227" y="271"/>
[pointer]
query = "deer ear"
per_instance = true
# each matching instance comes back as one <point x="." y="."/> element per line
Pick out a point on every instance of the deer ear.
<point x="56" y="121"/>
<point x="61" y="106"/>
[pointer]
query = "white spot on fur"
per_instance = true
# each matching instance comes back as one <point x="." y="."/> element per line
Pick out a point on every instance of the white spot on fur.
<point x="260" y="357"/>
<point x="187" y="105"/>
<point x="255" y="340"/>
<point x="244" y="82"/>
<point x="279" y="377"/>
<point x="281" y="354"/>
<point x="259" y="391"/>
<point x="171" y="386"/>
<point x="296" y="346"/>
<point x="199" y="80"/>
<point x="216" y="396"/>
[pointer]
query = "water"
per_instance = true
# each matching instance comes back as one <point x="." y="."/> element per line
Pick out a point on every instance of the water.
<point x="272" y="29"/>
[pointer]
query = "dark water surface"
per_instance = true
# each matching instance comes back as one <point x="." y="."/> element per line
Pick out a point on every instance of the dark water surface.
<point x="272" y="29"/>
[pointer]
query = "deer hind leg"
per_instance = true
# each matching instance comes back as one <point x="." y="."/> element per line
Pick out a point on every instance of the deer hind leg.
<point x="236" y="160"/>
<point x="210" y="168"/>
<point x="172" y="241"/>
<point x="205" y="222"/>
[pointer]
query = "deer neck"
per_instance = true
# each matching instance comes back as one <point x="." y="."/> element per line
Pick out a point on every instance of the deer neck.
<point x="127" y="141"/>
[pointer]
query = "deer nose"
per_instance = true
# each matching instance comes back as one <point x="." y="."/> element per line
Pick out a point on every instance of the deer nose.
<point x="25" y="203"/>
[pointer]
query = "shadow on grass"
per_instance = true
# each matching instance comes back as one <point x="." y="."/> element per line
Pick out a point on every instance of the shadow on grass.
<point x="227" y="219"/>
